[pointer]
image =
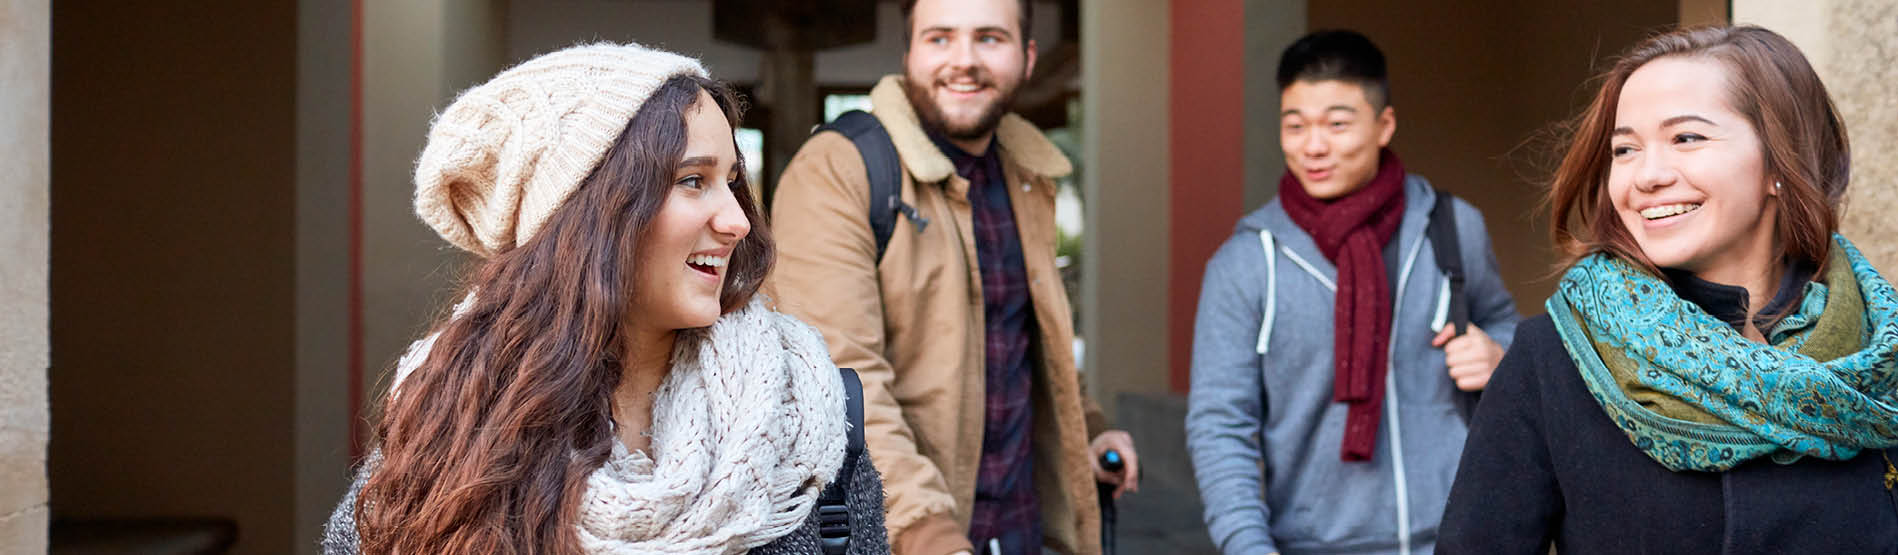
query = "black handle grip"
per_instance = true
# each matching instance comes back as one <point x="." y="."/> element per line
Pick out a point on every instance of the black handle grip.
<point x="1111" y="461"/>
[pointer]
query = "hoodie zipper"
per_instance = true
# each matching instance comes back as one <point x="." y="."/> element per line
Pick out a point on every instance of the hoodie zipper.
<point x="1399" y="476"/>
<point x="1398" y="473"/>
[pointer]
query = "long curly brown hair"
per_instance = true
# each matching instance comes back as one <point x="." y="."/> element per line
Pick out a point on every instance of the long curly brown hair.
<point x="487" y="444"/>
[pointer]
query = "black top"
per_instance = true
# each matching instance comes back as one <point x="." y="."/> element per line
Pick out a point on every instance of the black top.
<point x="1729" y="302"/>
<point x="1544" y="465"/>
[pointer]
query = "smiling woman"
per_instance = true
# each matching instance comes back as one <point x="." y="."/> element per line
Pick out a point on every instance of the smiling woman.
<point x="1752" y="94"/>
<point x="1716" y="372"/>
<point x="608" y="383"/>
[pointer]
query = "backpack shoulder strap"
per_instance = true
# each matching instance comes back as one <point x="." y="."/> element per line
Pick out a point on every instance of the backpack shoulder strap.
<point x="833" y="511"/>
<point x="883" y="168"/>
<point x="853" y="406"/>
<point x="1454" y="305"/>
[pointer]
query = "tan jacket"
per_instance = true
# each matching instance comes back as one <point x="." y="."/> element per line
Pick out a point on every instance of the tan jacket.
<point x="913" y="326"/>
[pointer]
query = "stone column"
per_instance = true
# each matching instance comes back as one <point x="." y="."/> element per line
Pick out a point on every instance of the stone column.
<point x="324" y="86"/>
<point x="1850" y="43"/>
<point x="1859" y="72"/>
<point x="787" y="85"/>
<point x="1123" y="279"/>
<point x="25" y="46"/>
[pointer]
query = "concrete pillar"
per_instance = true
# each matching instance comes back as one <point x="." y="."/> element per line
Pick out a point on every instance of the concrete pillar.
<point x="416" y="57"/>
<point x="787" y="87"/>
<point x="1124" y="277"/>
<point x="1849" y="42"/>
<point x="25" y="74"/>
<point x="325" y="48"/>
<point x="1859" y="73"/>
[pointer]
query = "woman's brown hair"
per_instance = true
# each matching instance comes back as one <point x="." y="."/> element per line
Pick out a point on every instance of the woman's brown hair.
<point x="487" y="445"/>
<point x="1771" y="84"/>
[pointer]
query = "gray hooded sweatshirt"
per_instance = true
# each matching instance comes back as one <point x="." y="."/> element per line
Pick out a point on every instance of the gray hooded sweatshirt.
<point x="1262" y="428"/>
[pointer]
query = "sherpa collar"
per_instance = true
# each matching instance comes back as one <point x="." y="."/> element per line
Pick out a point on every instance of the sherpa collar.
<point x="1024" y="144"/>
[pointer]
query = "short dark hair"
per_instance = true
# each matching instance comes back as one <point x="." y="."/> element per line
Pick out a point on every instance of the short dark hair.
<point x="1026" y="21"/>
<point x="1337" y="55"/>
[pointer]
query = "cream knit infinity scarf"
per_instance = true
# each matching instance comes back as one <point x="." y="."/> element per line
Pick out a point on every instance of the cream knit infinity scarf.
<point x="747" y="428"/>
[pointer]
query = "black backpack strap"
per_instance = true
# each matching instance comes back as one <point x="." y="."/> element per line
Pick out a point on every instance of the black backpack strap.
<point x="833" y="511"/>
<point x="1443" y="240"/>
<point x="885" y="172"/>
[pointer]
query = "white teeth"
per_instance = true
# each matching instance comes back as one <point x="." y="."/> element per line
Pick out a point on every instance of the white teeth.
<point x="964" y="87"/>
<point x="706" y="260"/>
<point x="1659" y="212"/>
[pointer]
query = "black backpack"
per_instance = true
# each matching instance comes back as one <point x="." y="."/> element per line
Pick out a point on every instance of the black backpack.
<point x="885" y="173"/>
<point x="833" y="511"/>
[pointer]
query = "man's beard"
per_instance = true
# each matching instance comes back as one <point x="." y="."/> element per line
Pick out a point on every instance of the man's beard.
<point x="933" y="119"/>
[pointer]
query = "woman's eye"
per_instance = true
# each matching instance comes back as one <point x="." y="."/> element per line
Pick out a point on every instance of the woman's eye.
<point x="1688" y="138"/>
<point x="693" y="182"/>
<point x="1340" y="124"/>
<point x="1622" y="151"/>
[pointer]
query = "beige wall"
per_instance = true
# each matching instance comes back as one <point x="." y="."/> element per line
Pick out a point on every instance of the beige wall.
<point x="1478" y="86"/>
<point x="173" y="263"/>
<point x="1124" y="275"/>
<point x="1850" y="43"/>
<point x="24" y="87"/>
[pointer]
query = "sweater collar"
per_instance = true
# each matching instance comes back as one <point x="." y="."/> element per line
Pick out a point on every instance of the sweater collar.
<point x="1729" y="303"/>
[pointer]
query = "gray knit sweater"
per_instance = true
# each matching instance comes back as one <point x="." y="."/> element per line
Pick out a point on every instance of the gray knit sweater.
<point x="865" y="501"/>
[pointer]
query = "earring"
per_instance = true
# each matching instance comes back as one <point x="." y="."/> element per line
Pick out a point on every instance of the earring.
<point x="1777" y="185"/>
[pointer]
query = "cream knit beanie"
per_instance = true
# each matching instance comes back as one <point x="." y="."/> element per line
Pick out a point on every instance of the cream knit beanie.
<point x="506" y="153"/>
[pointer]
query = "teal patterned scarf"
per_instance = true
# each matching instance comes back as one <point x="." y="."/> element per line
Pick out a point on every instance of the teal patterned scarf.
<point x="1694" y="394"/>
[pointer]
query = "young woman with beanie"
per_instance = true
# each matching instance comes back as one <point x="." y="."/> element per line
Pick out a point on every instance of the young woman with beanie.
<point x="1716" y="373"/>
<point x="609" y="382"/>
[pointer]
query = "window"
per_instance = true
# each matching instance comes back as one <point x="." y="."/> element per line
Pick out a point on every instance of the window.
<point x="835" y="104"/>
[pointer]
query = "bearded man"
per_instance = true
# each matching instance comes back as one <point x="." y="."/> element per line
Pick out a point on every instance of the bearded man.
<point x="956" y="321"/>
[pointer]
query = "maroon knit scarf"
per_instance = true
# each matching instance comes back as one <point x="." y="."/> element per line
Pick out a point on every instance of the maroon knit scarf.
<point x="1351" y="232"/>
